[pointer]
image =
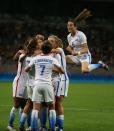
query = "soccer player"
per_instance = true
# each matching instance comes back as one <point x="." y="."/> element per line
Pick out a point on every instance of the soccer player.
<point x="19" y="89"/>
<point x="43" y="90"/>
<point x="78" y="48"/>
<point x="61" y="85"/>
<point x="33" y="49"/>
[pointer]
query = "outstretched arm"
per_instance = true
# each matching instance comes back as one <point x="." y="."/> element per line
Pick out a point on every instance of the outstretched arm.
<point x="57" y="51"/>
<point x="59" y="69"/>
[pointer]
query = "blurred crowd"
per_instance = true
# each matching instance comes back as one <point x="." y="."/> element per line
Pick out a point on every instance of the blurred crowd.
<point x="14" y="29"/>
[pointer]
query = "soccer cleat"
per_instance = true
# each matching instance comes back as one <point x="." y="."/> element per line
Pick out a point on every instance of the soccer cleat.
<point x="21" y="129"/>
<point x="50" y="130"/>
<point x="60" y="130"/>
<point x="56" y="128"/>
<point x="28" y="129"/>
<point x="10" y="128"/>
<point x="43" y="129"/>
<point x="104" y="66"/>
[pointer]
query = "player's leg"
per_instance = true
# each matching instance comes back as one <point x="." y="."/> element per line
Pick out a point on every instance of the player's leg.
<point x="37" y="98"/>
<point x="88" y="67"/>
<point x="59" y="103"/>
<point x="34" y="117"/>
<point x="57" y="90"/>
<point x="52" y="116"/>
<point x="100" y="64"/>
<point x="49" y="98"/>
<point x="43" y="115"/>
<point x="29" y="121"/>
<point x="29" y="92"/>
<point x="13" y="113"/>
<point x="26" y="111"/>
<point x="60" y="112"/>
<point x="70" y="59"/>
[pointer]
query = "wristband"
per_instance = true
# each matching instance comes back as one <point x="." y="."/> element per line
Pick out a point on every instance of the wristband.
<point x="79" y="53"/>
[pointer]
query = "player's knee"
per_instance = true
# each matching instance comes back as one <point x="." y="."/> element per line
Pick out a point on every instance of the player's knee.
<point x="16" y="105"/>
<point x="51" y="106"/>
<point x="59" y="103"/>
<point x="85" y="70"/>
<point x="29" y="103"/>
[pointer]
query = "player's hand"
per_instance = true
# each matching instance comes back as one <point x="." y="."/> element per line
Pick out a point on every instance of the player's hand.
<point x="21" y="51"/>
<point x="74" y="53"/>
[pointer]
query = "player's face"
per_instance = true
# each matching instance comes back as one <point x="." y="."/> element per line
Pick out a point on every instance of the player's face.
<point x="52" y="41"/>
<point x="71" y="27"/>
<point x="39" y="43"/>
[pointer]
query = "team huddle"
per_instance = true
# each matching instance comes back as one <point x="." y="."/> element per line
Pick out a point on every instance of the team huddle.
<point x="41" y="83"/>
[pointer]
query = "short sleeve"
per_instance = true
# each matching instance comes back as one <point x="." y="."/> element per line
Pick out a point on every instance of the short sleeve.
<point x="31" y="62"/>
<point x="83" y="38"/>
<point x="68" y="38"/>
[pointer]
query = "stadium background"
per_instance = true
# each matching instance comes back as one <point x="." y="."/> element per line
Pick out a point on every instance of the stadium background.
<point x="20" y="19"/>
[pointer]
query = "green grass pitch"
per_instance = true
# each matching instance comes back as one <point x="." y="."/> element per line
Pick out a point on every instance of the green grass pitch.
<point x="89" y="107"/>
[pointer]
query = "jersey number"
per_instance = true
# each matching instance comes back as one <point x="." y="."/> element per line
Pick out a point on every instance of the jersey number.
<point x="42" y="69"/>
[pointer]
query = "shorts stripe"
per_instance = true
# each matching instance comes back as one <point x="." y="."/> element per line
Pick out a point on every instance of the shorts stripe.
<point x="18" y="80"/>
<point x="65" y="88"/>
<point x="89" y="58"/>
<point x="57" y="87"/>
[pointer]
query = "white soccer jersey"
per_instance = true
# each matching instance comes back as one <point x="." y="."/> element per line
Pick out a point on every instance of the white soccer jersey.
<point x="77" y="40"/>
<point x="19" y="83"/>
<point x="31" y="73"/>
<point x="43" y="67"/>
<point x="63" y="64"/>
<point x="76" y="43"/>
<point x="56" y="76"/>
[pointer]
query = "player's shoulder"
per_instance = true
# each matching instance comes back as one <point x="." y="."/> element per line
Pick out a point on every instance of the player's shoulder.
<point x="81" y="33"/>
<point x="69" y="35"/>
<point x="60" y="49"/>
<point x="21" y="55"/>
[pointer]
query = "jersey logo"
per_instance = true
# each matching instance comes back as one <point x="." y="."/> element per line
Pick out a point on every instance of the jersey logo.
<point x="84" y="57"/>
<point x="28" y="61"/>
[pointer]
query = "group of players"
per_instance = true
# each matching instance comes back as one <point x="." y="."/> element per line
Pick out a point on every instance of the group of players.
<point x="42" y="82"/>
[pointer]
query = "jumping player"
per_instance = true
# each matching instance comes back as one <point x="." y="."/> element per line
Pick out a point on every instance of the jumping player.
<point x="78" y="47"/>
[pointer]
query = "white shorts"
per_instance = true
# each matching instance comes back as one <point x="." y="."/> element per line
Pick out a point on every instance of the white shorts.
<point x="79" y="59"/>
<point x="56" y="86"/>
<point x="30" y="91"/>
<point x="43" y="93"/>
<point x="61" y="88"/>
<point x="19" y="89"/>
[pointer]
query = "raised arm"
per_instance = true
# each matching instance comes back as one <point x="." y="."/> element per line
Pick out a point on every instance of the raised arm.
<point x="18" y="53"/>
<point x="57" y="51"/>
